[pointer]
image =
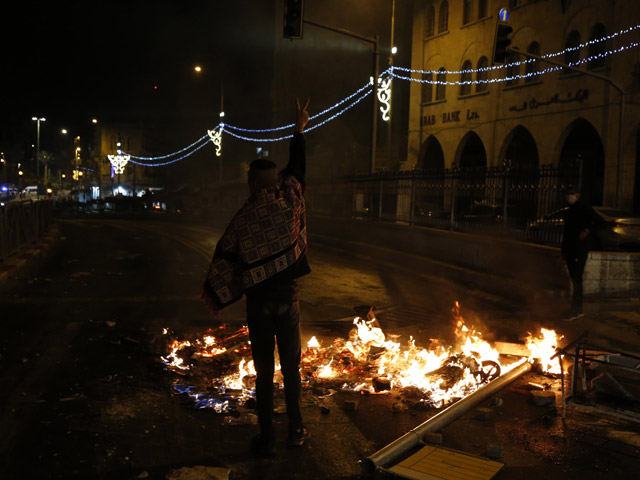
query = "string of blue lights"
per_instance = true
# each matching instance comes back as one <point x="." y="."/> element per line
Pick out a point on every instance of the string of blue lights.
<point x="347" y="103"/>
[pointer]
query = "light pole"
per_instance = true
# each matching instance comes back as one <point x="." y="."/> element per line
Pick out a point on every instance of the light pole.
<point x="373" y="41"/>
<point x="38" y="120"/>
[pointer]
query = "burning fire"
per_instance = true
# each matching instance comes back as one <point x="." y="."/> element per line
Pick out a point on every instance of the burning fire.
<point x="368" y="361"/>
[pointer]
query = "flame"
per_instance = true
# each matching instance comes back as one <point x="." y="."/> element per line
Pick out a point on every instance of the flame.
<point x="543" y="348"/>
<point x="368" y="361"/>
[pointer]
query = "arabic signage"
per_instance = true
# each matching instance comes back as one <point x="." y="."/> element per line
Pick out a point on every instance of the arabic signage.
<point x="450" y="117"/>
<point x="533" y="104"/>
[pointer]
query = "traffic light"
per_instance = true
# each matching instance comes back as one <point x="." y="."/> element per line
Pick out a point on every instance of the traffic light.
<point x="502" y="42"/>
<point x="293" y="18"/>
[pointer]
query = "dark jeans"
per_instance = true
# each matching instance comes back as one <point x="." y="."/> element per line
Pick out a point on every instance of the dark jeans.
<point x="273" y="315"/>
<point x="575" y="265"/>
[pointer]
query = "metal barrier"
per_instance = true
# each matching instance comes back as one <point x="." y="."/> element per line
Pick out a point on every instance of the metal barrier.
<point x="506" y="200"/>
<point x="22" y="223"/>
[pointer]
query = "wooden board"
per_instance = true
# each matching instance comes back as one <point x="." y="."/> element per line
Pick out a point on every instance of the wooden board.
<point x="438" y="463"/>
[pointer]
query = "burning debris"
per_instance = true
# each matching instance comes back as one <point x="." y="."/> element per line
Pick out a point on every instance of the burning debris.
<point x="217" y="372"/>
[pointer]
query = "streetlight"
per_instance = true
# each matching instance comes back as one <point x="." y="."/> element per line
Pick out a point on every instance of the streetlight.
<point x="38" y="120"/>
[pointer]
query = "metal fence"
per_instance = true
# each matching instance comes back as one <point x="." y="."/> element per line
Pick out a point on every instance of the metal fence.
<point x="22" y="223"/>
<point x="505" y="200"/>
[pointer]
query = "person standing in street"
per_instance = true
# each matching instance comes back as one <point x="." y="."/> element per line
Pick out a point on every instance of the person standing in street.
<point x="579" y="221"/>
<point x="260" y="255"/>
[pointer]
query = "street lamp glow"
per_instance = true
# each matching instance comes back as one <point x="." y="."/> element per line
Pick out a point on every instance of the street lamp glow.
<point x="221" y="114"/>
<point x="94" y="120"/>
<point x="197" y="68"/>
<point x="64" y="131"/>
<point x="394" y="50"/>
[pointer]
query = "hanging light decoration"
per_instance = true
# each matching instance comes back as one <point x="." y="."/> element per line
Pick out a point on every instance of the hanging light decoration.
<point x="216" y="138"/>
<point x="118" y="162"/>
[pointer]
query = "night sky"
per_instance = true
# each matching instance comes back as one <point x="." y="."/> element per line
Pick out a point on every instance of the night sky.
<point x="74" y="60"/>
<point x="70" y="61"/>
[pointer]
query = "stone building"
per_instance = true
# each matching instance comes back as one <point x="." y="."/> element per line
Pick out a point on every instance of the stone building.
<point x="557" y="118"/>
<point x="135" y="178"/>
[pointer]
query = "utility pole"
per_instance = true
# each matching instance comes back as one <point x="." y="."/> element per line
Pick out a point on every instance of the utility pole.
<point x="38" y="120"/>
<point x="373" y="41"/>
<point x="391" y="54"/>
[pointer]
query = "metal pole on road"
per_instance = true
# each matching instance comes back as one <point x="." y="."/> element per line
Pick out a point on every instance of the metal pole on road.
<point x="409" y="440"/>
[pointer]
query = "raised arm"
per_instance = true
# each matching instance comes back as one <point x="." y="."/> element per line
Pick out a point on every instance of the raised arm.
<point x="297" y="165"/>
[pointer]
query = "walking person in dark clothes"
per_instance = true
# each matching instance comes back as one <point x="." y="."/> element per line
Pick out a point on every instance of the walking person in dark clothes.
<point x="260" y="255"/>
<point x="579" y="221"/>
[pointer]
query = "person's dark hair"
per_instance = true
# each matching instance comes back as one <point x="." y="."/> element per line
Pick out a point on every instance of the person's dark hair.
<point x="262" y="164"/>
<point x="263" y="173"/>
<point x="571" y="190"/>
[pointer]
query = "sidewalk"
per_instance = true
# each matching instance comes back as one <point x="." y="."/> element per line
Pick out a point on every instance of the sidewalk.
<point x="15" y="264"/>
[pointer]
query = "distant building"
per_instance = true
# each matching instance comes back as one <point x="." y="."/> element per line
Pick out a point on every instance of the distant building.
<point x="557" y="118"/>
<point x="135" y="178"/>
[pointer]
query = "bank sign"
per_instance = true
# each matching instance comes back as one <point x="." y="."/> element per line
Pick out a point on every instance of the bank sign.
<point x="454" y="116"/>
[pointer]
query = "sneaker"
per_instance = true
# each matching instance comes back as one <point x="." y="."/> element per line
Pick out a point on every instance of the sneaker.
<point x="262" y="446"/>
<point x="298" y="437"/>
<point x="573" y="315"/>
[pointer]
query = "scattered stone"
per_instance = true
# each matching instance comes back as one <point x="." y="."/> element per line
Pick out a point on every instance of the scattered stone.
<point x="144" y="474"/>
<point x="542" y="398"/>
<point x="432" y="438"/>
<point x="496" y="402"/>
<point x="494" y="451"/>
<point x="483" y="414"/>
<point x="324" y="409"/>
<point x="351" y="405"/>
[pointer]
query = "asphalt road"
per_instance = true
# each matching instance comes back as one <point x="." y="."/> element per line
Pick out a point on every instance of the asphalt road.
<point x="85" y="396"/>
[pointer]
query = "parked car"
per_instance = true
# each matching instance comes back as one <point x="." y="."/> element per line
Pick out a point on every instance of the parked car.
<point x="622" y="230"/>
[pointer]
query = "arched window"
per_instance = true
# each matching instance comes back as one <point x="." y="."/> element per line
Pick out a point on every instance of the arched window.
<point x="572" y="55"/>
<point x="598" y="31"/>
<point x="483" y="8"/>
<point x="531" y="67"/>
<point x="466" y="11"/>
<point x="482" y="74"/>
<point x="465" y="76"/>
<point x="513" y="70"/>
<point x="427" y="88"/>
<point x="430" y="21"/>
<point x="443" y="17"/>
<point x="441" y="88"/>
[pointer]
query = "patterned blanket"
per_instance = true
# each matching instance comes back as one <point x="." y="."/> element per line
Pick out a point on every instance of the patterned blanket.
<point x="266" y="236"/>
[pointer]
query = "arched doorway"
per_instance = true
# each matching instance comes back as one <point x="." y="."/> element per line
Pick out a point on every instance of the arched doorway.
<point x="432" y="158"/>
<point x="470" y="198"/>
<point x="581" y="161"/>
<point x="471" y="152"/>
<point x="521" y="155"/>
<point x="428" y="198"/>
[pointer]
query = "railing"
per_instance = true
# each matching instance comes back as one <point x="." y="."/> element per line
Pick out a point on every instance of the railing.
<point x="22" y="223"/>
<point x="500" y="200"/>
